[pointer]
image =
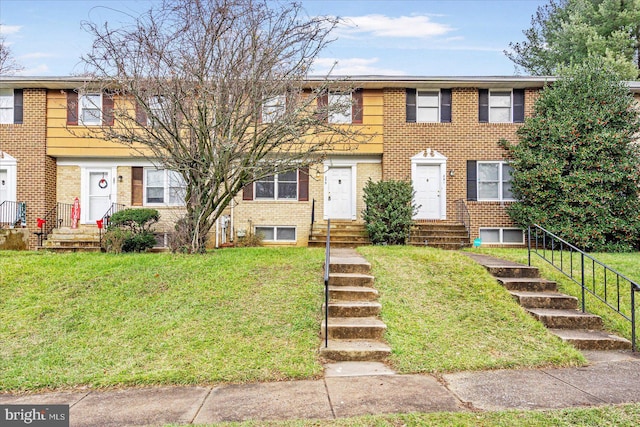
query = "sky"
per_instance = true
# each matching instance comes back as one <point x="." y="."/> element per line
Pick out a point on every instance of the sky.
<point x="398" y="38"/>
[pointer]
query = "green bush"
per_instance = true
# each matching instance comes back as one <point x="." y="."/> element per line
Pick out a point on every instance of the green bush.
<point x="130" y="230"/>
<point x="389" y="211"/>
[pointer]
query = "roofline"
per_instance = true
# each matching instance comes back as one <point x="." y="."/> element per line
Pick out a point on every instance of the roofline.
<point x="364" y="81"/>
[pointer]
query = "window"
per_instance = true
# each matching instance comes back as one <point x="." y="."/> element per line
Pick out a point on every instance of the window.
<point x="340" y="108"/>
<point x="162" y="186"/>
<point x="90" y="111"/>
<point x="273" y="108"/>
<point x="501" y="105"/>
<point x="277" y="234"/>
<point x="428" y="106"/>
<point x="494" y="181"/>
<point x="10" y="106"/>
<point x="281" y="186"/>
<point x="513" y="236"/>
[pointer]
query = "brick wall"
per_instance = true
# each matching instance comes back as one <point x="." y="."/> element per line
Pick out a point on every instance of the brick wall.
<point x="461" y="140"/>
<point x="36" y="172"/>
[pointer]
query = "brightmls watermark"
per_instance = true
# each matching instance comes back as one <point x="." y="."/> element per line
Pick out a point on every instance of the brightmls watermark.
<point x="34" y="415"/>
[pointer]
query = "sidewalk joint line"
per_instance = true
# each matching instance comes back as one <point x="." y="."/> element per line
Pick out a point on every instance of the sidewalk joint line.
<point x="201" y="405"/>
<point x="81" y="399"/>
<point x="576" y="387"/>
<point x="326" y="387"/>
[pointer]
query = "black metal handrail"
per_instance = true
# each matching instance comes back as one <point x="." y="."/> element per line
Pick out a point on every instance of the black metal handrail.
<point x="13" y="214"/>
<point x="313" y="212"/>
<point x="605" y="287"/>
<point x="464" y="217"/>
<point x="327" y="259"/>
<point x="104" y="221"/>
<point x="58" y="216"/>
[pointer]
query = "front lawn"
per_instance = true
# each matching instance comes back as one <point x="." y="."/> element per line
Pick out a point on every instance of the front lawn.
<point x="627" y="264"/>
<point x="243" y="315"/>
<point x="444" y="312"/>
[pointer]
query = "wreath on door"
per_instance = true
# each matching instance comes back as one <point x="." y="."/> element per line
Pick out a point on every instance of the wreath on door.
<point x="103" y="183"/>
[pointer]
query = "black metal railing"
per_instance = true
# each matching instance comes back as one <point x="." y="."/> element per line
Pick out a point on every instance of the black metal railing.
<point x="464" y="217"/>
<point x="13" y="214"/>
<point x="327" y="259"/>
<point x="313" y="212"/>
<point x="58" y="216"/>
<point x="594" y="277"/>
<point x="104" y="221"/>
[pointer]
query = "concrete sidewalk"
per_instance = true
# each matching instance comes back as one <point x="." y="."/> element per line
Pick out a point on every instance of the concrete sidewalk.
<point x="611" y="378"/>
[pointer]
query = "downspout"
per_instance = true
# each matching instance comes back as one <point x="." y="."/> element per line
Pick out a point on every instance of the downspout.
<point x="232" y="234"/>
<point x="217" y="232"/>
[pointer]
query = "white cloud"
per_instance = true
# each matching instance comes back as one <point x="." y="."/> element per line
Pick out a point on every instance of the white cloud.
<point x="38" y="70"/>
<point x="9" y="29"/>
<point x="352" y="67"/>
<point x="415" y="26"/>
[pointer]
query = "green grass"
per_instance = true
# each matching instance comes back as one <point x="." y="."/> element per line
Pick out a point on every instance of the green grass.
<point x="444" y="312"/>
<point x="112" y="320"/>
<point x="604" y="416"/>
<point x="627" y="264"/>
<point x="244" y="315"/>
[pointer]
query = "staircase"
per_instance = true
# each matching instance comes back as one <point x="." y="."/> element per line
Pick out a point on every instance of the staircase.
<point x="66" y="239"/>
<point x="354" y="327"/>
<point x="439" y="235"/>
<point x="557" y="311"/>
<point x="344" y="234"/>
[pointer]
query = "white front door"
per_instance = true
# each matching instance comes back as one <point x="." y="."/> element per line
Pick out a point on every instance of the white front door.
<point x="99" y="195"/>
<point x="4" y="185"/>
<point x="338" y="197"/>
<point x="427" y="184"/>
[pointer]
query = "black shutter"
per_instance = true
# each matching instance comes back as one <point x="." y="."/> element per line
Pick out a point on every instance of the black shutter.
<point x="303" y="184"/>
<point x="518" y="106"/>
<point x="445" y="105"/>
<point x="483" y="105"/>
<point x="411" y="105"/>
<point x="72" y="108"/>
<point x="356" y="107"/>
<point x="18" y="101"/>
<point x="472" y="180"/>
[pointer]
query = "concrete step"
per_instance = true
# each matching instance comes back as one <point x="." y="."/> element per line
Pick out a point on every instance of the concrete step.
<point x="353" y="308"/>
<point x="527" y="284"/>
<point x="545" y="300"/>
<point x="367" y="328"/>
<point x="443" y="245"/>
<point x="584" y="339"/>
<point x="67" y="243"/>
<point x="68" y="249"/>
<point x="518" y="271"/>
<point x="566" y="319"/>
<point x="350" y="279"/>
<point x="355" y="350"/>
<point x="352" y="293"/>
<point x="346" y="265"/>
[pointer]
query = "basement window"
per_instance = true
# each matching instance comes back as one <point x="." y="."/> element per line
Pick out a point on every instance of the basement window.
<point x="506" y="236"/>
<point x="276" y="233"/>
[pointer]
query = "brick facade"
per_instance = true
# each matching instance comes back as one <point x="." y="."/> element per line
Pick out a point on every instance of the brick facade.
<point x="36" y="172"/>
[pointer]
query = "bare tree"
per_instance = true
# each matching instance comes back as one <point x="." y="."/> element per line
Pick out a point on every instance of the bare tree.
<point x="222" y="88"/>
<point x="8" y="64"/>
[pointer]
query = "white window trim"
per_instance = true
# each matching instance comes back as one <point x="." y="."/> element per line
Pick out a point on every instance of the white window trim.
<point x="275" y="190"/>
<point x="500" y="181"/>
<point x="275" y="232"/>
<point x="348" y="118"/>
<point x="10" y="96"/>
<point x="510" y="90"/>
<point x="275" y="106"/>
<point x="10" y="164"/>
<point x="166" y="188"/>
<point x="439" y="107"/>
<point x="501" y="233"/>
<point x="81" y="108"/>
